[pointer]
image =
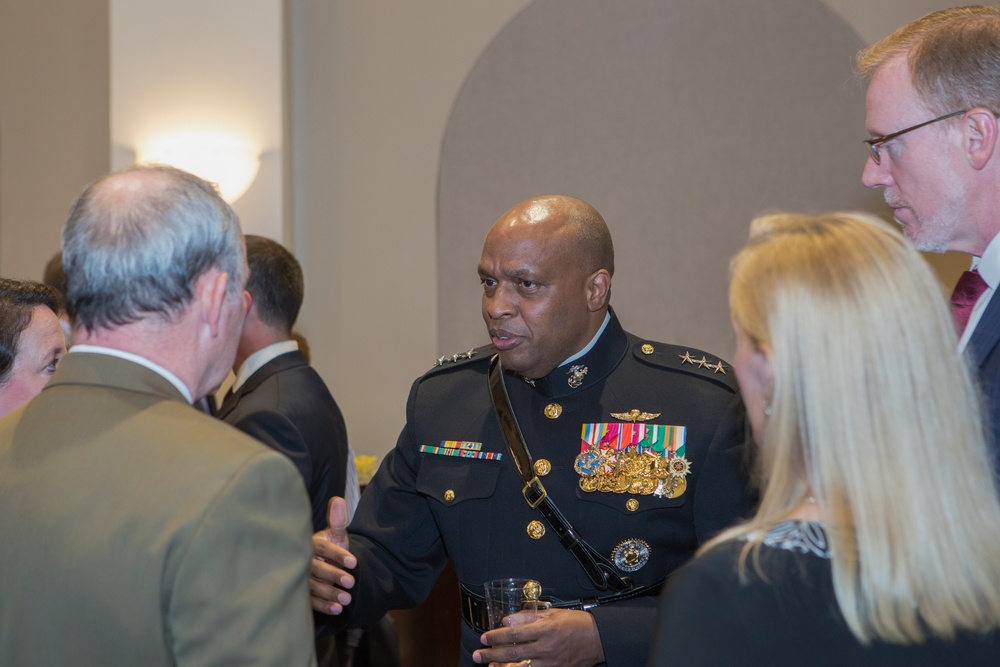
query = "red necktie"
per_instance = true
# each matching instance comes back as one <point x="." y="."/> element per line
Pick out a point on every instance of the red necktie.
<point x="969" y="288"/>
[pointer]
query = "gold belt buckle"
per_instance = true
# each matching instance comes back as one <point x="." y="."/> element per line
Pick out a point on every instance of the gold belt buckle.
<point x="536" y="485"/>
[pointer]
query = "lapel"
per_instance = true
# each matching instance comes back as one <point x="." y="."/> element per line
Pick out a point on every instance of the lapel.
<point x="102" y="370"/>
<point x="986" y="334"/>
<point x="280" y="363"/>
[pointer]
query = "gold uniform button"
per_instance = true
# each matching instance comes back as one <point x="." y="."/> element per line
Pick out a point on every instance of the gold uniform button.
<point x="449" y="496"/>
<point x="552" y="410"/>
<point x="542" y="467"/>
<point x="536" y="529"/>
<point x="647" y="348"/>
<point x="632" y="504"/>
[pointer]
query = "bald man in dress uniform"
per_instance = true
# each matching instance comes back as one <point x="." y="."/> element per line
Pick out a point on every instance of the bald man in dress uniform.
<point x="638" y="445"/>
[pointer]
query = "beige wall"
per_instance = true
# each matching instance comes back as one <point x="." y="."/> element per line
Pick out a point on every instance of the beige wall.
<point x="370" y="88"/>
<point x="373" y="84"/>
<point x="54" y="105"/>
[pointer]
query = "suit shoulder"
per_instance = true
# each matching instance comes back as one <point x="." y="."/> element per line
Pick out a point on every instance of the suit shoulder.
<point x="688" y="361"/>
<point x="472" y="358"/>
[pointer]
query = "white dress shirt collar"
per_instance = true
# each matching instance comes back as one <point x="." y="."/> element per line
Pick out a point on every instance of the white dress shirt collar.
<point x="593" y="341"/>
<point x="256" y="360"/>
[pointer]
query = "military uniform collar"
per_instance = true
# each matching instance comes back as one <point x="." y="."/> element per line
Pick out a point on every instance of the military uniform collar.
<point x="584" y="371"/>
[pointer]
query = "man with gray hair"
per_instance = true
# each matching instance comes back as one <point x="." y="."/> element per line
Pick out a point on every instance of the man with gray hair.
<point x="136" y="530"/>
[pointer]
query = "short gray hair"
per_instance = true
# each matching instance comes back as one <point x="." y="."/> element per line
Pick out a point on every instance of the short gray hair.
<point x="137" y="240"/>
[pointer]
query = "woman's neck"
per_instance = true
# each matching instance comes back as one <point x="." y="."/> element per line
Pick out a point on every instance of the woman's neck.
<point x="807" y="510"/>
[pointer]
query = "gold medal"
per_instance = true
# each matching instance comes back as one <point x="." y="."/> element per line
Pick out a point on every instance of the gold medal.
<point x="676" y="486"/>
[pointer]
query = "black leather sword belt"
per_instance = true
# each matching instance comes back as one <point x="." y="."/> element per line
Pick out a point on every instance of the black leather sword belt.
<point x="600" y="570"/>
<point x="474" y="610"/>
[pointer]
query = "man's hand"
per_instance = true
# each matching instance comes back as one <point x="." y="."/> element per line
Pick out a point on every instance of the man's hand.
<point x="549" y="638"/>
<point x="329" y="579"/>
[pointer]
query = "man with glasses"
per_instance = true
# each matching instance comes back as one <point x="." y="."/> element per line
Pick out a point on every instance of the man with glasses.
<point x="932" y="104"/>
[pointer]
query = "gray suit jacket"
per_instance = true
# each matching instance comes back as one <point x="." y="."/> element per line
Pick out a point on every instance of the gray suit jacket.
<point x="137" y="531"/>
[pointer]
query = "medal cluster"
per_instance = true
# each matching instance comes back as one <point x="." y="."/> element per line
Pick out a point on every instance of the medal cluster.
<point x="631" y="471"/>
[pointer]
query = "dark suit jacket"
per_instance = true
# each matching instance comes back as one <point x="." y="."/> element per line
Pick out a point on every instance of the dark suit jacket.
<point x="983" y="352"/>
<point x="136" y="531"/>
<point x="287" y="406"/>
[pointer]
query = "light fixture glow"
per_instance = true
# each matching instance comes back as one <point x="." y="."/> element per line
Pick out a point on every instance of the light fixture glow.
<point x="225" y="161"/>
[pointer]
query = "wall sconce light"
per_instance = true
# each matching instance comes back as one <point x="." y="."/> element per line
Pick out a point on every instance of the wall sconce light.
<point x="228" y="162"/>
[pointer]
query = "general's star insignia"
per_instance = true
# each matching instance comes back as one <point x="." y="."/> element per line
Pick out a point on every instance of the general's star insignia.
<point x="718" y="368"/>
<point x="455" y="357"/>
<point x="635" y="415"/>
<point x="686" y="358"/>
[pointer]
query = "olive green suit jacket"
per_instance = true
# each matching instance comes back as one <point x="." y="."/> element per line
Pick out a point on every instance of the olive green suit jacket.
<point x="135" y="530"/>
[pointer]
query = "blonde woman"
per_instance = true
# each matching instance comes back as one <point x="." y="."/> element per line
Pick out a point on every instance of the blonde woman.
<point x="877" y="540"/>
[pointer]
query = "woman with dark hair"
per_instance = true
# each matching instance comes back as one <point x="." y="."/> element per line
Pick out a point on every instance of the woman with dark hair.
<point x="31" y="340"/>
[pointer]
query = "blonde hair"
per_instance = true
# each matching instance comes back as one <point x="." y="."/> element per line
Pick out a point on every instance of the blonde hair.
<point x="875" y="415"/>
<point x="953" y="57"/>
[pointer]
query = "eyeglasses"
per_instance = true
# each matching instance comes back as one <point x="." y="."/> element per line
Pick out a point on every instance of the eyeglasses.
<point x="873" y="144"/>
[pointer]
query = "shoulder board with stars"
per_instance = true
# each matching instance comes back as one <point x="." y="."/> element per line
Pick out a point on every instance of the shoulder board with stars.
<point x="459" y="358"/>
<point x="685" y="360"/>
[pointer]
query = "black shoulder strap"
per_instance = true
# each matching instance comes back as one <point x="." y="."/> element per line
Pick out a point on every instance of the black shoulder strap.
<point x="598" y="568"/>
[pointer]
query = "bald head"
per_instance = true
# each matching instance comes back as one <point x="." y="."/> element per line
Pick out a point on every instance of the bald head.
<point x="546" y="273"/>
<point x="573" y="221"/>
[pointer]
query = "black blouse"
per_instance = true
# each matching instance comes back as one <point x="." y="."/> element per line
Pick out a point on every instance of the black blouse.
<point x="789" y="616"/>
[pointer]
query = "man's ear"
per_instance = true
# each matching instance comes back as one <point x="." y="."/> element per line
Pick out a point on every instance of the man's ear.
<point x="598" y="290"/>
<point x="980" y="136"/>
<point x="248" y="304"/>
<point x="210" y="295"/>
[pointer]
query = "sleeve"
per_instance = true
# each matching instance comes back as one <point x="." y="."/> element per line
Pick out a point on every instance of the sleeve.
<point x="240" y="595"/>
<point x="725" y="493"/>
<point x="623" y="626"/>
<point x="394" y="536"/>
<point x="397" y="542"/>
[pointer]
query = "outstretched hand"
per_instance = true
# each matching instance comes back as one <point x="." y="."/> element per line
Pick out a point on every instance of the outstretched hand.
<point x="329" y="580"/>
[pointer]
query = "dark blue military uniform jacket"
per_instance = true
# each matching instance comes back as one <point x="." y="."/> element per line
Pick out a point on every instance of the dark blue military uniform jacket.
<point x="426" y="506"/>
